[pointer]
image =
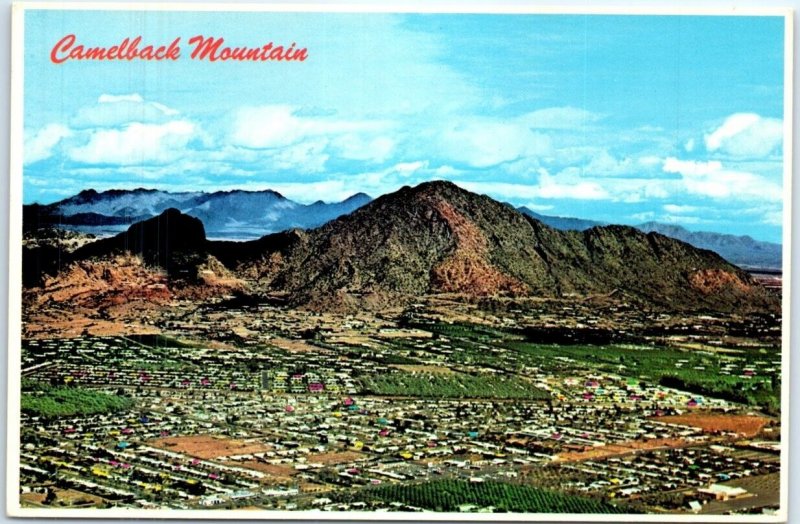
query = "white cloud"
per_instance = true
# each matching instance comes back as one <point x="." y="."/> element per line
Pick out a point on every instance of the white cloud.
<point x="117" y="110"/>
<point x="689" y="145"/>
<point x="691" y="167"/>
<point x="327" y="190"/>
<point x="604" y="164"/>
<point x="445" y="171"/>
<point x="710" y="179"/>
<point x="308" y="156"/>
<point x="732" y="126"/>
<point x="644" y="216"/>
<point x="485" y="143"/>
<point x="110" y="99"/>
<point x="358" y="147"/>
<point x="339" y="187"/>
<point x="649" y="161"/>
<point x="135" y="143"/>
<point x="679" y="210"/>
<point x="773" y="218"/>
<point x="746" y="135"/>
<point x="408" y="168"/>
<point x="292" y="140"/>
<point x="266" y="126"/>
<point x="723" y="185"/>
<point x="40" y="145"/>
<point x="547" y="188"/>
<point x="621" y="183"/>
<point x="656" y="188"/>
<point x="272" y="126"/>
<point x="559" y="118"/>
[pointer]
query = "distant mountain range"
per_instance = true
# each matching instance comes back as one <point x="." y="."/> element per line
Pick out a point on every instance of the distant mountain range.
<point x="563" y="223"/>
<point x="247" y="215"/>
<point x="225" y="214"/>
<point x="741" y="250"/>
<point x="431" y="239"/>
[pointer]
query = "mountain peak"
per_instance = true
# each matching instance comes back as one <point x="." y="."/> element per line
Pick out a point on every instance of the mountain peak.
<point x="358" y="197"/>
<point x="660" y="227"/>
<point x="172" y="228"/>
<point x="267" y="192"/>
<point x="429" y="193"/>
<point x="444" y="187"/>
<point x="171" y="240"/>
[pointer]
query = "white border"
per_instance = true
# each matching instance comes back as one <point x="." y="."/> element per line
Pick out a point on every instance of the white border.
<point x="483" y="7"/>
<point x="786" y="336"/>
<point x="15" y="260"/>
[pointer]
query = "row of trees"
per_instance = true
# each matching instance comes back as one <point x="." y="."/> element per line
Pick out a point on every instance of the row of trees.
<point x="431" y="385"/>
<point x="449" y="495"/>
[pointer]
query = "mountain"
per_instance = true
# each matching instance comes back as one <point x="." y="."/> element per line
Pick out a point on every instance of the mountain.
<point x="437" y="238"/>
<point x="236" y="212"/>
<point x="740" y="250"/>
<point x="123" y="203"/>
<point x="172" y="241"/>
<point x="246" y="215"/>
<point x="158" y="258"/>
<point x="225" y="214"/>
<point x="564" y="223"/>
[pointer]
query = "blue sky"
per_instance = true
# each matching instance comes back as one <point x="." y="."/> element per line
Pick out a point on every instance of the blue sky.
<point x="617" y="118"/>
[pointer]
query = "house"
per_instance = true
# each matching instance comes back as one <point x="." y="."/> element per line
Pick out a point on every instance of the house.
<point x="695" y="505"/>
<point x="722" y="492"/>
<point x="211" y="500"/>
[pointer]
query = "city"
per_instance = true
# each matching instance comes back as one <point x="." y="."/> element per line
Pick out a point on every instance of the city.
<point x="285" y="409"/>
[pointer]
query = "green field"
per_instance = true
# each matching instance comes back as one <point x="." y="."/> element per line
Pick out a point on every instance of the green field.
<point x="430" y="385"/>
<point x="696" y="371"/>
<point x="46" y="401"/>
<point x="450" y="495"/>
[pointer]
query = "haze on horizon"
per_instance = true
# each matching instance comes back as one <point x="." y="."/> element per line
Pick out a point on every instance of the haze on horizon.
<point x="611" y="118"/>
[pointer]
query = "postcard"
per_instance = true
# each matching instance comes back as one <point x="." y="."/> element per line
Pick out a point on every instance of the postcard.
<point x="335" y="262"/>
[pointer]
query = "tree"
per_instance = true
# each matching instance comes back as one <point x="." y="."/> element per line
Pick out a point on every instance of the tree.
<point x="50" y="497"/>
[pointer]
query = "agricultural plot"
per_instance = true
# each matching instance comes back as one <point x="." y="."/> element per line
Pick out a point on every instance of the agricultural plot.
<point x="464" y="496"/>
<point x="430" y="385"/>
<point x="751" y="378"/>
<point x="51" y="402"/>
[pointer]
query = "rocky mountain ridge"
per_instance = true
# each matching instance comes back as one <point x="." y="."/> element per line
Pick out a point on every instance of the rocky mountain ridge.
<point x="436" y="238"/>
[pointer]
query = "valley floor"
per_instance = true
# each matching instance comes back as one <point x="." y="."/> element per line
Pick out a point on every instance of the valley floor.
<point x="523" y="407"/>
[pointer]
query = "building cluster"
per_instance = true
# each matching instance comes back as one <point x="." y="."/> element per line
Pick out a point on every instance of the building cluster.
<point x="277" y="418"/>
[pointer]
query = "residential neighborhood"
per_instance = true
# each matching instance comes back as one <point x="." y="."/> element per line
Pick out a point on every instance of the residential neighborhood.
<point x="301" y="414"/>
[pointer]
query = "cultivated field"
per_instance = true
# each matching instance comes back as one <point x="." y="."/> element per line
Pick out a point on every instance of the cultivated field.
<point x="744" y="425"/>
<point x="208" y="446"/>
